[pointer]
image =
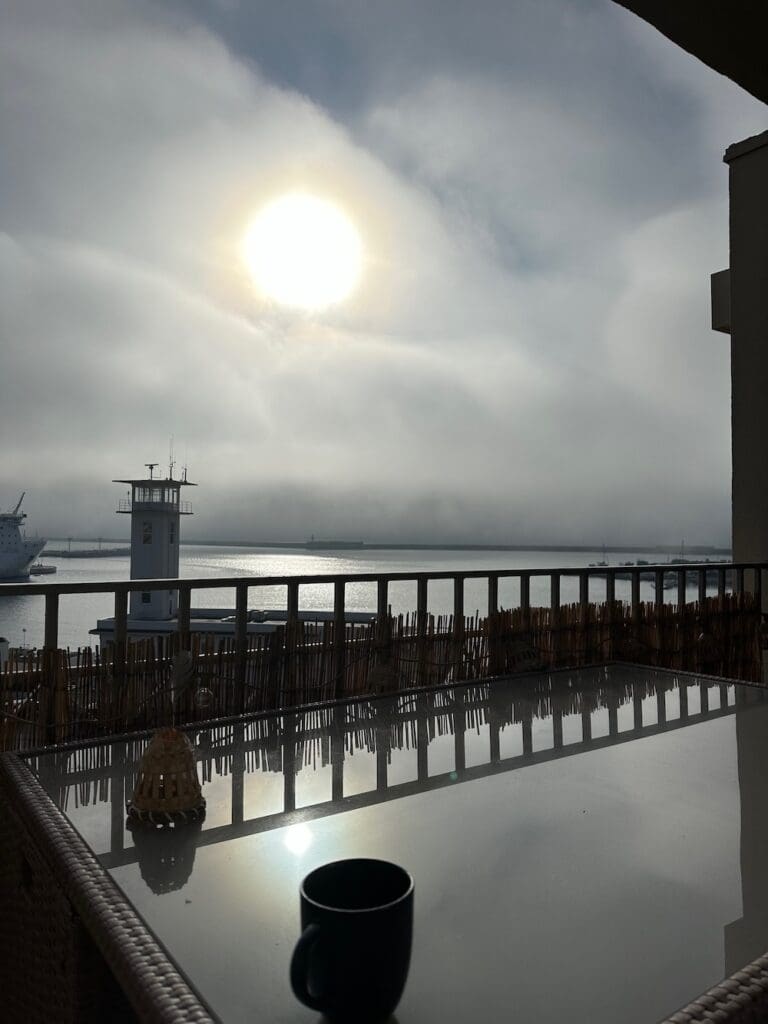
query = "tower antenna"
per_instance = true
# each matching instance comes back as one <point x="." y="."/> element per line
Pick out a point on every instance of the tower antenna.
<point x="151" y="467"/>
<point x="170" y="459"/>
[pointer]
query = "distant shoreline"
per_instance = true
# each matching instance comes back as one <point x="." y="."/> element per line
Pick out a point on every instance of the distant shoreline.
<point x="661" y="549"/>
<point x="330" y="545"/>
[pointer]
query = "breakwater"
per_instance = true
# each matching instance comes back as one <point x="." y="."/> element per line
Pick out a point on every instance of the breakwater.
<point x="84" y="552"/>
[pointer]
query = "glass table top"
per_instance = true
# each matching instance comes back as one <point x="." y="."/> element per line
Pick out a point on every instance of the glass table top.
<point x="586" y="845"/>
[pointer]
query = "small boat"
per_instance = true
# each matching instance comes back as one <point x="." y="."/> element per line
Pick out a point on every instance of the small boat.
<point x="41" y="569"/>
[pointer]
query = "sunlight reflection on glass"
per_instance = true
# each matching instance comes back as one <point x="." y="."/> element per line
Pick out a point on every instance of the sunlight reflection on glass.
<point x="298" y="839"/>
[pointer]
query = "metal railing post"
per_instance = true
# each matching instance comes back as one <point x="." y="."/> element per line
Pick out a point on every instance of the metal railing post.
<point x="422" y="618"/>
<point x="636" y="611"/>
<point x="421" y="605"/>
<point x="292" y="602"/>
<point x="383" y="629"/>
<point x="493" y="594"/>
<point x="51" y="641"/>
<point x="184" y="615"/>
<point x="636" y="590"/>
<point x="583" y="591"/>
<point x="120" y="653"/>
<point x="610" y="601"/>
<point x="682" y="587"/>
<point x="554" y="616"/>
<point x="702" y="586"/>
<point x="339" y="626"/>
<point x="382" y="599"/>
<point x="525" y="598"/>
<point x="458" y="605"/>
<point x="610" y="587"/>
<point x="50" y="660"/>
<point x="584" y="609"/>
<point x="458" y="625"/>
<point x="292" y="634"/>
<point x="241" y="644"/>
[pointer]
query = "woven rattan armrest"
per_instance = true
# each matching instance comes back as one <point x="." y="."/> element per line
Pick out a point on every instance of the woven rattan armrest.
<point x="740" y="999"/>
<point x="76" y="949"/>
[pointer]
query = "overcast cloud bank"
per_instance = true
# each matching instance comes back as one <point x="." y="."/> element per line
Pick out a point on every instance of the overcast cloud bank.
<point x="528" y="357"/>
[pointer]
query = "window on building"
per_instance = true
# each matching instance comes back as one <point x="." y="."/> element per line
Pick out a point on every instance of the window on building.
<point x="172" y="533"/>
<point x="146" y="534"/>
<point x="146" y="597"/>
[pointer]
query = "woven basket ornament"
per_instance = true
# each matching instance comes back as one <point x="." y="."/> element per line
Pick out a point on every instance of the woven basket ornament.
<point x="167" y="789"/>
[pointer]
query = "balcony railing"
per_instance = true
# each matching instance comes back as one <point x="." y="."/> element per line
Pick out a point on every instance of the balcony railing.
<point x="735" y="577"/>
<point x="54" y="696"/>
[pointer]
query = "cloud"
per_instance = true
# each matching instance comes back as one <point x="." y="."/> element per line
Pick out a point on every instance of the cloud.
<point x="531" y="330"/>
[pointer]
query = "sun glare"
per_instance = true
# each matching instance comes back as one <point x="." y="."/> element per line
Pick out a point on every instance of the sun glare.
<point x="298" y="838"/>
<point x="303" y="251"/>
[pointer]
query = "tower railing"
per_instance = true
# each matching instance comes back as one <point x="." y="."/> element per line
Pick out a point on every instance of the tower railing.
<point x="128" y="505"/>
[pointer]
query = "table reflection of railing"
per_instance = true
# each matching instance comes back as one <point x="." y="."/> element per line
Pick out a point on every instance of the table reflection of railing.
<point x="284" y="743"/>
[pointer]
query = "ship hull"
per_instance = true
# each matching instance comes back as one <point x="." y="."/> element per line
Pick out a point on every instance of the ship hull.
<point x="14" y="565"/>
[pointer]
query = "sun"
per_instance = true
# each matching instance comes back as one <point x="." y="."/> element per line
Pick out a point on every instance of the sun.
<point x="303" y="251"/>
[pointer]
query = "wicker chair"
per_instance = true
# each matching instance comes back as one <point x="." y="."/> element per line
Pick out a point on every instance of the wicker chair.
<point x="74" y="950"/>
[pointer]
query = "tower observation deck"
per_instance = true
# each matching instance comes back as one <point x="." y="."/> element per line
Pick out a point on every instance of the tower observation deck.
<point x="155" y="507"/>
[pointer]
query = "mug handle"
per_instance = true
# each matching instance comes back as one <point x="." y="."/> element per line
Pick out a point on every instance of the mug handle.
<point x="300" y="967"/>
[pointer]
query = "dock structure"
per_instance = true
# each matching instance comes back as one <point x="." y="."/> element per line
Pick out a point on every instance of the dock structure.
<point x="85" y="552"/>
<point x="219" y="623"/>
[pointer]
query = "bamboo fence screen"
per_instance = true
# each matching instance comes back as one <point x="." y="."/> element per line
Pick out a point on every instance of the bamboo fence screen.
<point x="58" y="696"/>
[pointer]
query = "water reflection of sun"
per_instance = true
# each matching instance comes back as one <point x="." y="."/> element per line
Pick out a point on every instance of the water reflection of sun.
<point x="303" y="251"/>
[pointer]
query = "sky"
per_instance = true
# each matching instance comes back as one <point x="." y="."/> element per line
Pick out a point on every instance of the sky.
<point x="539" y="191"/>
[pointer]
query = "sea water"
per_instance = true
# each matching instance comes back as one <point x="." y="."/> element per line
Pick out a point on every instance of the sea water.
<point x="22" y="617"/>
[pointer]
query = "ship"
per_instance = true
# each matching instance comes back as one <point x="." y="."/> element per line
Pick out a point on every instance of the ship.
<point x="17" y="552"/>
<point x="333" y="545"/>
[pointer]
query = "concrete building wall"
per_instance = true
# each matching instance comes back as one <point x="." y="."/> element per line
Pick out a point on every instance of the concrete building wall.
<point x="154" y="555"/>
<point x="748" y="165"/>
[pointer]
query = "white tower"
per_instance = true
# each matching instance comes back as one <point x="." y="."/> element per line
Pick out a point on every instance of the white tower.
<point x="155" y="508"/>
